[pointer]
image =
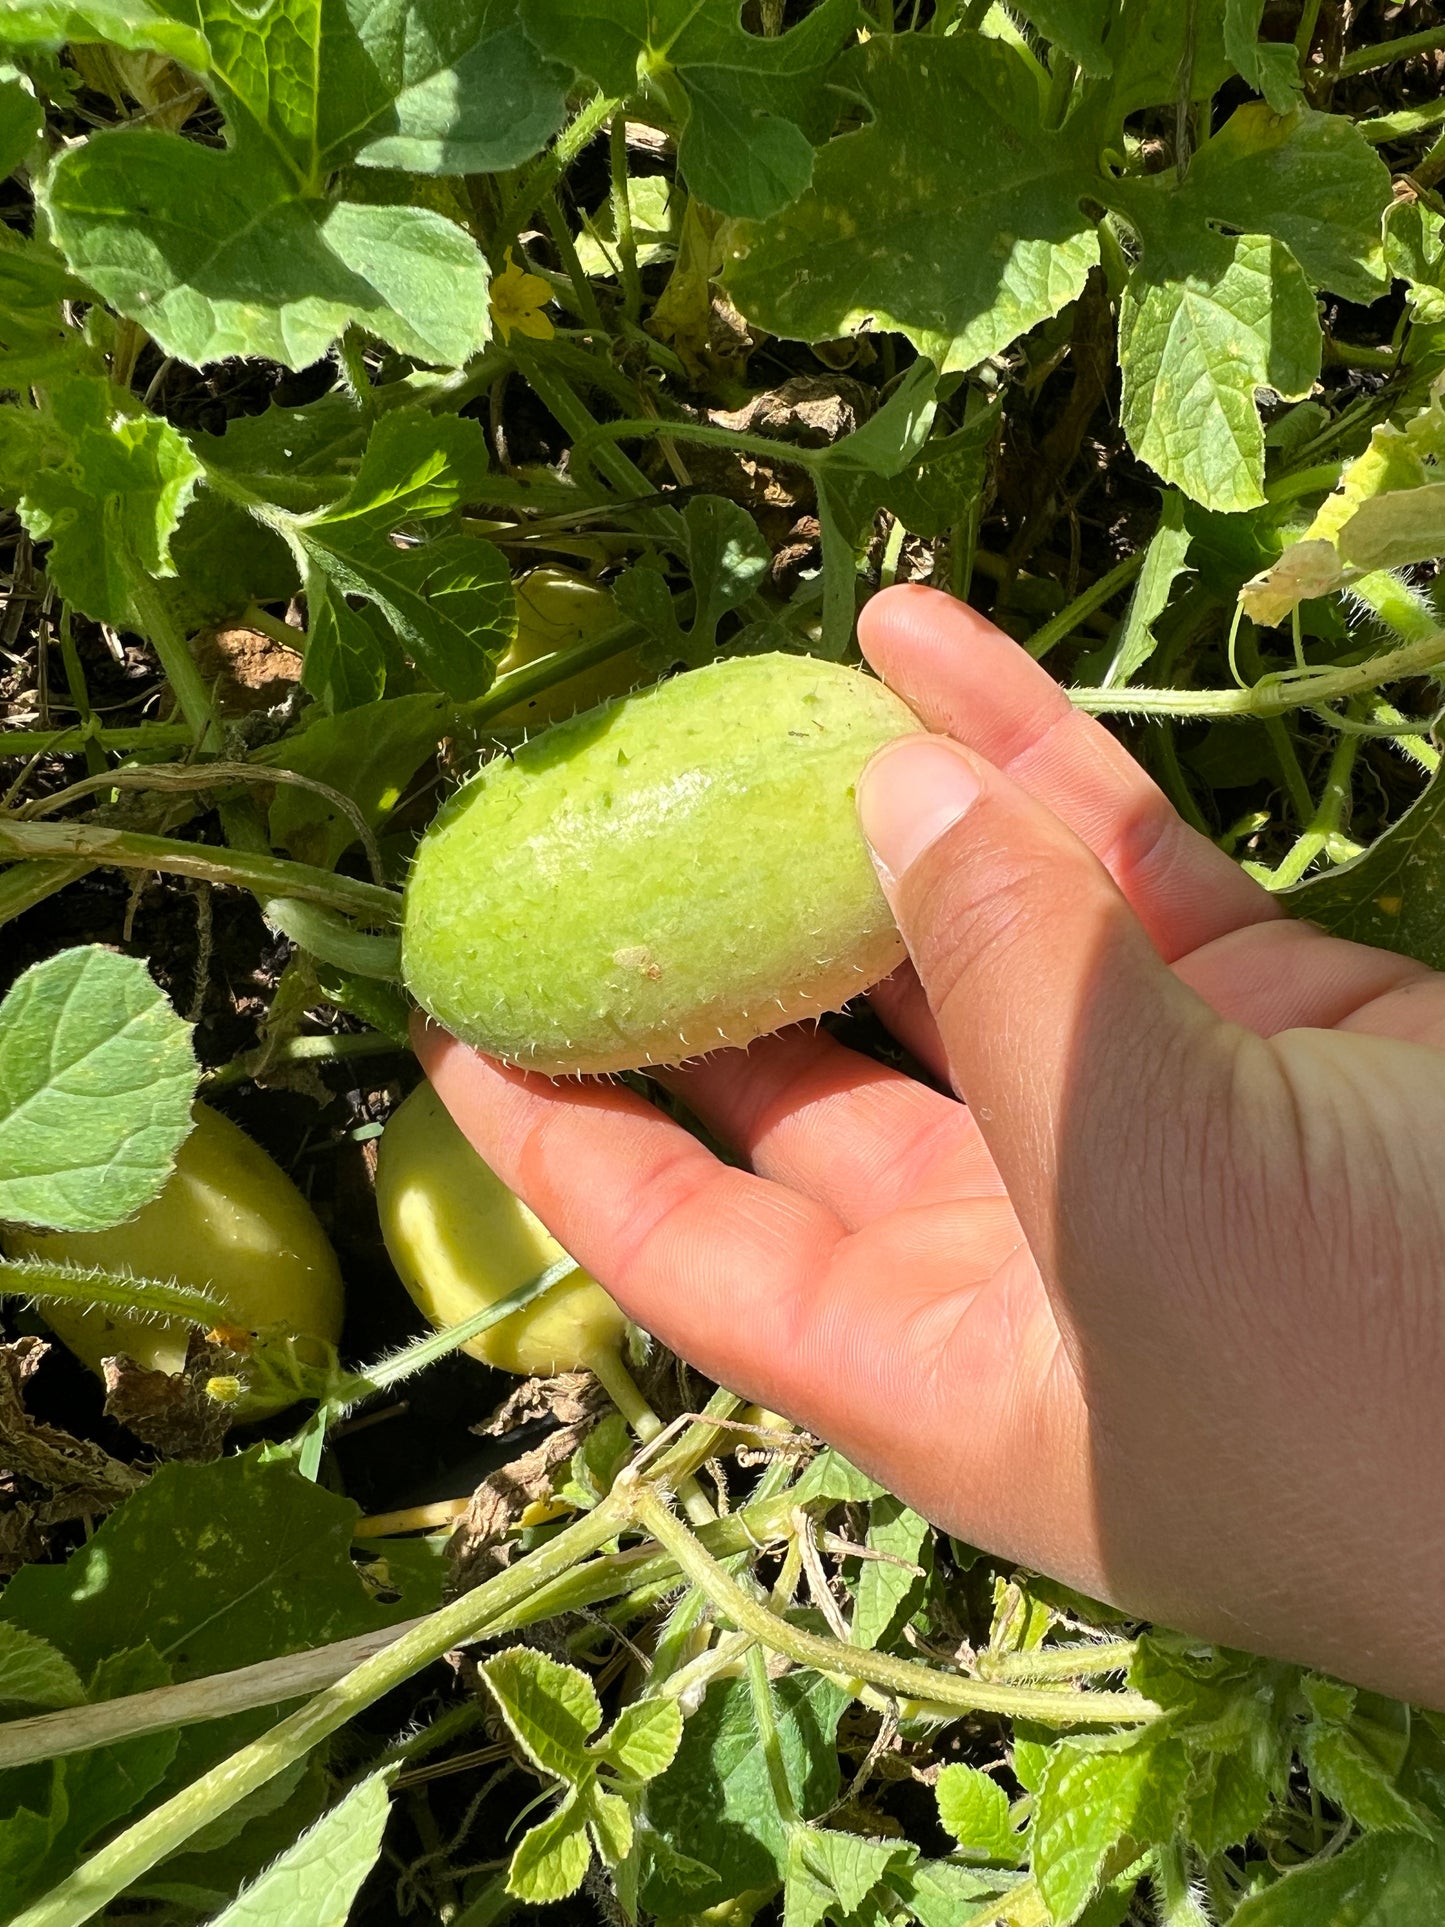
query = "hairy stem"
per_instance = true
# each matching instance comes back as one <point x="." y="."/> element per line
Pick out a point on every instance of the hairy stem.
<point x="266" y="876"/>
<point x="1272" y="695"/>
<point x="855" y="1666"/>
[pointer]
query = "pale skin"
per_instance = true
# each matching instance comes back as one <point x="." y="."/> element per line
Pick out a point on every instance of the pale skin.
<point x="1156" y="1304"/>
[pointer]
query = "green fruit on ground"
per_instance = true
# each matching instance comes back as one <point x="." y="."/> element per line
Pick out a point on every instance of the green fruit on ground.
<point x="679" y="870"/>
<point x="558" y="609"/>
<point x="228" y="1222"/>
<point x="460" y="1240"/>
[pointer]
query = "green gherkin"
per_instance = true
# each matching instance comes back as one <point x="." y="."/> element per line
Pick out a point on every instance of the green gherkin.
<point x="674" y="872"/>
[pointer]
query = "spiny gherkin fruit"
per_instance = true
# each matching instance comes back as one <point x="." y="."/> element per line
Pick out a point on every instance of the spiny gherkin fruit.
<point x="676" y="871"/>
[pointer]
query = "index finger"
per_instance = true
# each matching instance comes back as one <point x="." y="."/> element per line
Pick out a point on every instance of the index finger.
<point x="967" y="679"/>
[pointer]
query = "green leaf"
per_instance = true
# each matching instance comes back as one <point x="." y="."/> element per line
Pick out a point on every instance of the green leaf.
<point x="1383" y="1880"/>
<point x="1354" y="1759"/>
<point x="33" y="1674"/>
<point x="834" y="1873"/>
<point x="1415" y="252"/>
<point x="1390" y="531"/>
<point x="1164" y="563"/>
<point x="1311" y="180"/>
<point x="37" y="344"/>
<point x="1155" y="46"/>
<point x="643" y="1740"/>
<point x="830" y="1476"/>
<point x="50" y="1812"/>
<point x="318" y="1878"/>
<point x="551" y="1860"/>
<point x="1392" y="897"/>
<point x="887" y="1586"/>
<point x="729" y="559"/>
<point x="106" y="487"/>
<point x="97" y="1078"/>
<point x="1091" y="1802"/>
<point x="1076" y="27"/>
<point x="954" y="147"/>
<point x="449" y="602"/>
<point x="22" y="120"/>
<point x="609" y="1820"/>
<point x="940" y="1893"/>
<point x="135" y="26"/>
<point x="751" y="106"/>
<point x="715" y="1802"/>
<point x="1227" y="1801"/>
<point x="1199" y="332"/>
<point x="471" y="94"/>
<point x="656" y="206"/>
<point x="551" y="1709"/>
<point x="975" y="1809"/>
<point x="1271" y="67"/>
<point x="218" y="253"/>
<point x="217" y="1565"/>
<point x="369" y="754"/>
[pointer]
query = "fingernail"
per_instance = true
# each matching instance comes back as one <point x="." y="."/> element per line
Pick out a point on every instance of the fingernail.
<point x="909" y="795"/>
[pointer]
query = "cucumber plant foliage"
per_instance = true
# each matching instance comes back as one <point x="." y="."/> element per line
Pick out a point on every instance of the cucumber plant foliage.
<point x="321" y="323"/>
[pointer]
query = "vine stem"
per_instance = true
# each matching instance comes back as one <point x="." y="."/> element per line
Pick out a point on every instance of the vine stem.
<point x="1385" y="53"/>
<point x="73" y="740"/>
<point x="188" y="686"/>
<point x="626" y="1394"/>
<point x="266" y="876"/>
<point x="856" y="1665"/>
<point x="1272" y="695"/>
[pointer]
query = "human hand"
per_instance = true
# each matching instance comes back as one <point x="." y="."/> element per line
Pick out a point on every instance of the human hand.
<point x="1159" y="1308"/>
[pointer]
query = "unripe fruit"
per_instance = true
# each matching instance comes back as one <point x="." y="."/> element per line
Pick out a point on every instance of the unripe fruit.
<point x="460" y="1240"/>
<point x="228" y="1222"/>
<point x="678" y="870"/>
<point x="556" y="610"/>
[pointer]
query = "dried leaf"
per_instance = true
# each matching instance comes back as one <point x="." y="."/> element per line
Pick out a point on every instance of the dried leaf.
<point x="78" y="1476"/>
<point x="172" y="1411"/>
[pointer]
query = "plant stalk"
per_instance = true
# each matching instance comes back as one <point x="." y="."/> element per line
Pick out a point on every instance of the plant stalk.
<point x="1272" y="695"/>
<point x="855" y="1666"/>
<point x="266" y="876"/>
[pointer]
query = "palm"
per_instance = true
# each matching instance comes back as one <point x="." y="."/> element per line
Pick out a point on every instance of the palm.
<point x="870" y="1274"/>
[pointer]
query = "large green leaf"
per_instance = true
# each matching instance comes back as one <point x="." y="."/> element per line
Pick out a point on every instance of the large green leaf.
<point x="470" y="93"/>
<point x="102" y="482"/>
<point x="750" y="106"/>
<point x="715" y="1802"/>
<point x="1205" y="321"/>
<point x="242" y="251"/>
<point x="318" y="1878"/>
<point x="133" y="25"/>
<point x="97" y="1077"/>
<point x="37" y="343"/>
<point x="1311" y="180"/>
<point x="52" y="1811"/>
<point x="369" y="754"/>
<point x="953" y="216"/>
<point x="1392" y="897"/>
<point x="217" y="254"/>
<point x="1384" y="1880"/>
<point x="217" y="1565"/>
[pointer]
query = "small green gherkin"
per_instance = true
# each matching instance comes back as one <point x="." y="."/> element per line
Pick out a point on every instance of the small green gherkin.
<point x="674" y="872"/>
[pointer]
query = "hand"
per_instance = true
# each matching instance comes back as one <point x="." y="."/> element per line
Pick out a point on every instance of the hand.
<point x="1159" y="1308"/>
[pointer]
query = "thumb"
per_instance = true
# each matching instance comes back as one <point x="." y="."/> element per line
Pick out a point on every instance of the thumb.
<point x="1080" y="1054"/>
